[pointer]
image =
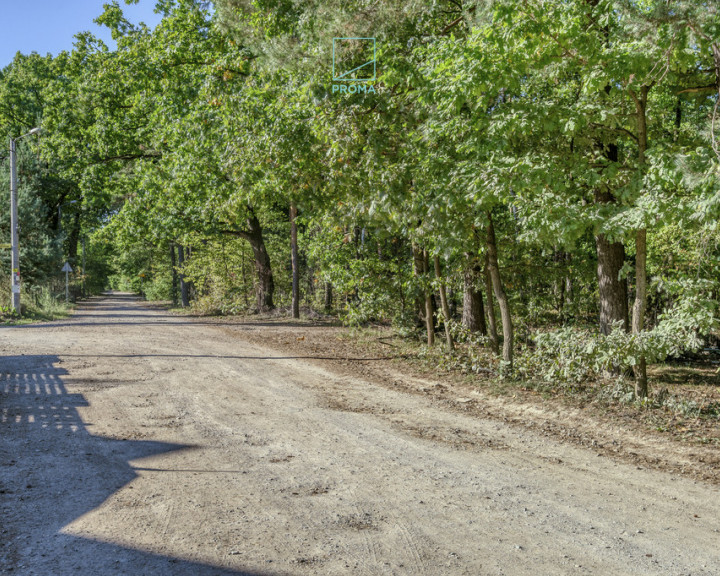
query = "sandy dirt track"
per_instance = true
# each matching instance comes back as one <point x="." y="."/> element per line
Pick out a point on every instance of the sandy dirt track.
<point x="137" y="442"/>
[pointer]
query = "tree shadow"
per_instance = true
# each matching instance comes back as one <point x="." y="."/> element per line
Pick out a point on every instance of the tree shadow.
<point x="689" y="374"/>
<point x="53" y="470"/>
<point x="338" y="358"/>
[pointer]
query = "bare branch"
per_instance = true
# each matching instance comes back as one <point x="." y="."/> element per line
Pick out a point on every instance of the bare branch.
<point x="698" y="89"/>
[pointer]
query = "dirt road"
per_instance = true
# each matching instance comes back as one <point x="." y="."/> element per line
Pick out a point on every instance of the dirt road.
<point x="137" y="442"/>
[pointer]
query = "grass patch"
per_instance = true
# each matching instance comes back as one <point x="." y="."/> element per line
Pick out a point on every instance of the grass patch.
<point x="42" y="307"/>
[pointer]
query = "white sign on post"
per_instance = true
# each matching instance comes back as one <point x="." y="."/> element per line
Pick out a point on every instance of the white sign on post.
<point x="67" y="267"/>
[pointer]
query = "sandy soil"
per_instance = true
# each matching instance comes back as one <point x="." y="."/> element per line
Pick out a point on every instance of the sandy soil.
<point x="137" y="442"/>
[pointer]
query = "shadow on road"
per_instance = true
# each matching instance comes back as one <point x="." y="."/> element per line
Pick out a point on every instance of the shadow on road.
<point x="53" y="470"/>
<point x="227" y="357"/>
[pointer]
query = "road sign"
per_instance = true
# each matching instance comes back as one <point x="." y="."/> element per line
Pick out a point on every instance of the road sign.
<point x="66" y="268"/>
<point x="7" y="245"/>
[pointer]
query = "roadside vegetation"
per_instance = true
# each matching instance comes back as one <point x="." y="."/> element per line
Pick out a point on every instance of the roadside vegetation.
<point x="530" y="193"/>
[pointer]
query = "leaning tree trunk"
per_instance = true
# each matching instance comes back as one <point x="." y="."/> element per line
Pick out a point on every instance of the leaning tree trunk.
<point x="429" y="316"/>
<point x="418" y="272"/>
<point x="638" y="318"/>
<point x="492" y="320"/>
<point x="265" y="286"/>
<point x="192" y="292"/>
<point x="295" y="264"/>
<point x="174" y="286"/>
<point x="505" y="315"/>
<point x="184" y="292"/>
<point x="558" y="283"/>
<point x="473" y="316"/>
<point x="444" y="304"/>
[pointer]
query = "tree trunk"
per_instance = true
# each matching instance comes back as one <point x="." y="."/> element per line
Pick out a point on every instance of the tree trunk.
<point x="568" y="285"/>
<point x="505" y="315"/>
<point x="184" y="292"/>
<point x="418" y="271"/>
<point x="613" y="291"/>
<point x="611" y="257"/>
<point x="328" y="296"/>
<point x="444" y="304"/>
<point x="452" y="301"/>
<point x="492" y="321"/>
<point x="265" y="287"/>
<point x="174" y="286"/>
<point x="559" y="281"/>
<point x="192" y="291"/>
<point x="429" y="316"/>
<point x="473" y="317"/>
<point x="295" y="264"/>
<point x="638" y="319"/>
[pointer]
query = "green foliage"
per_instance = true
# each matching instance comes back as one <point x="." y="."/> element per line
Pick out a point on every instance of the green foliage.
<point x="222" y="274"/>
<point x="570" y="356"/>
<point x="370" y="274"/>
<point x="203" y="132"/>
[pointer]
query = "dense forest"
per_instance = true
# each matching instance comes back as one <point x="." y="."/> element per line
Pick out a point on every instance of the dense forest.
<point x="535" y="178"/>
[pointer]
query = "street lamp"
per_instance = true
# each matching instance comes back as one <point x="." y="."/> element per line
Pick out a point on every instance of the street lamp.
<point x="14" y="244"/>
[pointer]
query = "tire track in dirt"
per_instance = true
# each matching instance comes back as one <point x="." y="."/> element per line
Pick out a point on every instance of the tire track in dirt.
<point x="195" y="452"/>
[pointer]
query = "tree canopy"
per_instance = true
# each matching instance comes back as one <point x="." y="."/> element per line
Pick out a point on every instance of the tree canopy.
<point x="555" y="164"/>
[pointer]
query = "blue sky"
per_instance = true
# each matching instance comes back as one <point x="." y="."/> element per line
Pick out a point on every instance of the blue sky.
<point x="44" y="26"/>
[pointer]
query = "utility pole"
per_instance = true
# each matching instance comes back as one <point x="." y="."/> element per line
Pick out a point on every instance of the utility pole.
<point x="14" y="242"/>
<point x="15" y="258"/>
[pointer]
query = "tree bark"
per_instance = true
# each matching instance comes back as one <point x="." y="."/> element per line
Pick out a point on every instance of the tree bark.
<point x="638" y="321"/>
<point x="613" y="291"/>
<point x="265" y="287"/>
<point x="444" y="304"/>
<point x="192" y="292"/>
<point x="452" y="301"/>
<point x="429" y="316"/>
<point x="418" y="271"/>
<point x="295" y="264"/>
<point x="638" y="318"/>
<point x="611" y="257"/>
<point x="473" y="317"/>
<point x="184" y="292"/>
<point x="558" y="283"/>
<point x="503" y="303"/>
<point x="492" y="321"/>
<point x="174" y="286"/>
<point x="568" y="282"/>
<point x="328" y="296"/>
